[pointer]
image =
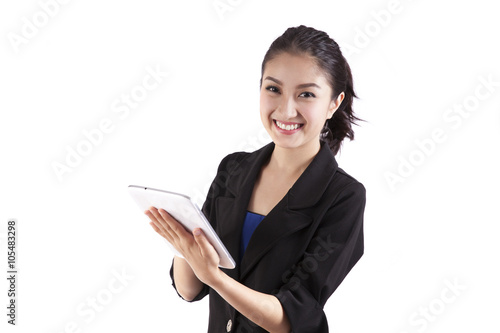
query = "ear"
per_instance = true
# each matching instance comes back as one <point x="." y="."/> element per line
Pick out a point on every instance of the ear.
<point x="334" y="104"/>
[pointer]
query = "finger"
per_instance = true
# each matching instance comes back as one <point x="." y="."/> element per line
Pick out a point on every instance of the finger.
<point x="205" y="247"/>
<point x="160" y="232"/>
<point x="154" y="212"/>
<point x="173" y="224"/>
<point x="154" y="219"/>
<point x="169" y="224"/>
<point x="149" y="212"/>
<point x="155" y="228"/>
<point x="158" y="220"/>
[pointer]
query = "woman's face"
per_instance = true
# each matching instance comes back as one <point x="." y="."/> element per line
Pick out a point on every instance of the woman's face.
<point x="295" y="101"/>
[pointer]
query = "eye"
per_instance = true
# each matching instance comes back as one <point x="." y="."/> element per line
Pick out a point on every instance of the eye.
<point x="273" y="89"/>
<point x="307" y="94"/>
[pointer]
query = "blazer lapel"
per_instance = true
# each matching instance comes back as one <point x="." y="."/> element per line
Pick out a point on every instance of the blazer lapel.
<point x="231" y="210"/>
<point x="288" y="216"/>
<point x="279" y="223"/>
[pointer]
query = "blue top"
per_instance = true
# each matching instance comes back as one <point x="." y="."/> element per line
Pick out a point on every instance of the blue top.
<point x="252" y="220"/>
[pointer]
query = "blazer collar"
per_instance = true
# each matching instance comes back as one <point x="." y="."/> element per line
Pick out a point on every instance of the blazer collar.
<point x="308" y="188"/>
<point x="286" y="217"/>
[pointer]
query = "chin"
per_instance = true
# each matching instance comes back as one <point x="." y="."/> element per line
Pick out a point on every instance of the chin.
<point x="288" y="144"/>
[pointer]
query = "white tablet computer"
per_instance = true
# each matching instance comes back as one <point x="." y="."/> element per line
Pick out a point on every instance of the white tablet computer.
<point x="184" y="210"/>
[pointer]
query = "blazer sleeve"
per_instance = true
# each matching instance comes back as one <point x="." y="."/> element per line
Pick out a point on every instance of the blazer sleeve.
<point x="335" y="248"/>
<point x="209" y="212"/>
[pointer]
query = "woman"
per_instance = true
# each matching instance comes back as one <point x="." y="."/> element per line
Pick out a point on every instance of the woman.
<point x="291" y="217"/>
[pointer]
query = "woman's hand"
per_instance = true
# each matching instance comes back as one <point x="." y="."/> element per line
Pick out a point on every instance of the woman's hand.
<point x="195" y="248"/>
<point x="204" y="262"/>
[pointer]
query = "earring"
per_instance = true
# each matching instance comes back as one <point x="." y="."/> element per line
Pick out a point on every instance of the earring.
<point x="325" y="131"/>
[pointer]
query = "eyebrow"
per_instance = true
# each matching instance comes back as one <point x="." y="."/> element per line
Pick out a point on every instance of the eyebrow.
<point x="300" y="86"/>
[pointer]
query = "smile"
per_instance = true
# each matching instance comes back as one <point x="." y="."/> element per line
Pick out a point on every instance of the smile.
<point x="287" y="127"/>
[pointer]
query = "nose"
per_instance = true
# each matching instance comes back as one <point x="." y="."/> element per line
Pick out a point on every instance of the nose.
<point x="287" y="108"/>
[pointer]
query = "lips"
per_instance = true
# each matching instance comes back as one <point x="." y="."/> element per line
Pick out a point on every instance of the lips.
<point x="287" y="126"/>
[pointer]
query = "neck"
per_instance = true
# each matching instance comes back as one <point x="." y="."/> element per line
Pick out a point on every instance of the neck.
<point x="293" y="161"/>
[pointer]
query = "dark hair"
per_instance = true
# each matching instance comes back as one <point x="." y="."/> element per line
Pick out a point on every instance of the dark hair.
<point x="326" y="52"/>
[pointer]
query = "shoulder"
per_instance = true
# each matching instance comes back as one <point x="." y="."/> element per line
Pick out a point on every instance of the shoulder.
<point x="230" y="161"/>
<point x="232" y="165"/>
<point x="329" y="180"/>
<point x="237" y="162"/>
<point x="345" y="187"/>
<point x="342" y="205"/>
<point x="348" y="181"/>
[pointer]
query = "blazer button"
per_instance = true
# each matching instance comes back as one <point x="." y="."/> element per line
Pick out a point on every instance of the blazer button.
<point x="229" y="325"/>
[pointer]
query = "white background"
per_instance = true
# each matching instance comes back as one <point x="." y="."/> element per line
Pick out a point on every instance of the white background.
<point x="436" y="226"/>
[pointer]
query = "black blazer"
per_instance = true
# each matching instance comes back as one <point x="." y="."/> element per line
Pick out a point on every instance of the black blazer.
<point x="303" y="248"/>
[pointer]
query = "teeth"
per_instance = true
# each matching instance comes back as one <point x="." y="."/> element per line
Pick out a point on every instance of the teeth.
<point x="287" y="127"/>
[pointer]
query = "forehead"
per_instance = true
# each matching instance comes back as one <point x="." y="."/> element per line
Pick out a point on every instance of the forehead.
<point x="295" y="69"/>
